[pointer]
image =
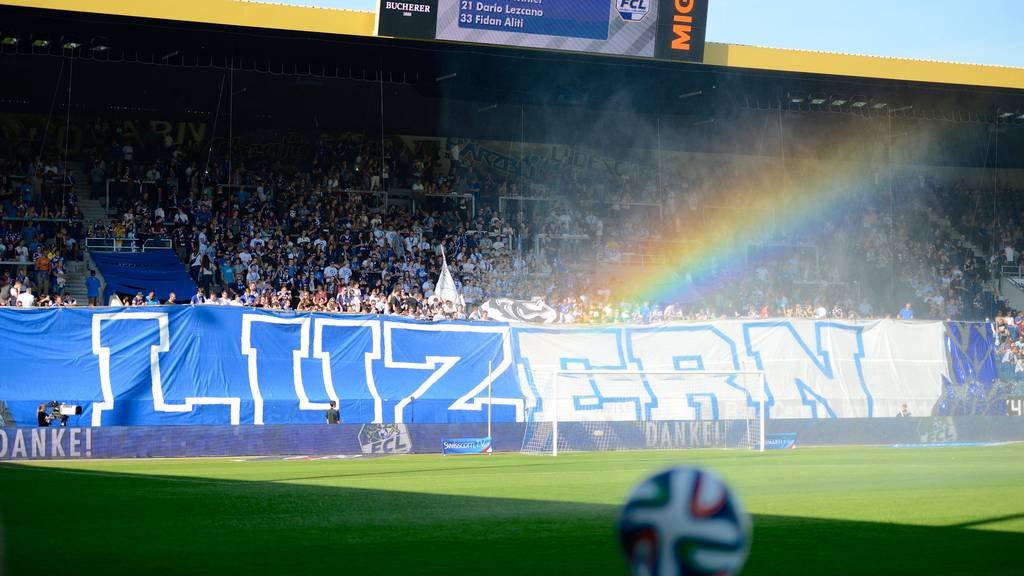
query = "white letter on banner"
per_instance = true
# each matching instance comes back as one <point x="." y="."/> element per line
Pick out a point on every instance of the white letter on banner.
<point x="74" y="442"/>
<point x="685" y="348"/>
<point x="56" y="437"/>
<point x="442" y="364"/>
<point x="368" y="358"/>
<point x="3" y="443"/>
<point x="297" y="355"/>
<point x="19" y="445"/>
<point x="580" y="397"/>
<point x="802" y="380"/>
<point x="159" y="405"/>
<point x="39" y="443"/>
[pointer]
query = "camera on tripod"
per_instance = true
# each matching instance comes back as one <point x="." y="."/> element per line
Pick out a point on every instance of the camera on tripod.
<point x="60" y="411"/>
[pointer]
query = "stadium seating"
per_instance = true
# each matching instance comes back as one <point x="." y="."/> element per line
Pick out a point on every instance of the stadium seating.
<point x="317" y="235"/>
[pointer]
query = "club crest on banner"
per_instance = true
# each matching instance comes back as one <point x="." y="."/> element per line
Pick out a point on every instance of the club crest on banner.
<point x="534" y="311"/>
<point x="385" y="439"/>
<point x="632" y="10"/>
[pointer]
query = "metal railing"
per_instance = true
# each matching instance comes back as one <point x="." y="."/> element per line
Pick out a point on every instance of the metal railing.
<point x="634" y="259"/>
<point x="106" y="204"/>
<point x="126" y="244"/>
<point x="504" y="201"/>
<point x="36" y="219"/>
<point x="469" y="197"/>
<point x="1011" y="271"/>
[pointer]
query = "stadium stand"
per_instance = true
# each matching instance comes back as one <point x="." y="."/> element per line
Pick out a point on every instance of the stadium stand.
<point x="316" y="237"/>
<point x="337" y="209"/>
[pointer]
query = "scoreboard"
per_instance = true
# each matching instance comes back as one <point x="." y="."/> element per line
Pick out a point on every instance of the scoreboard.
<point x="670" y="29"/>
<point x="666" y="29"/>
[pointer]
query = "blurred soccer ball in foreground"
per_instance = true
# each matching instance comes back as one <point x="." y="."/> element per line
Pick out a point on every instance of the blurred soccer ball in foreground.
<point x="684" y="521"/>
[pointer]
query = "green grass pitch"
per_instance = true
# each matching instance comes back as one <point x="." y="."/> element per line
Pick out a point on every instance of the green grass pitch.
<point x="816" y="511"/>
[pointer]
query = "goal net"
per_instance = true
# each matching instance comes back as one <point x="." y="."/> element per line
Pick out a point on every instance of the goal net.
<point x="591" y="410"/>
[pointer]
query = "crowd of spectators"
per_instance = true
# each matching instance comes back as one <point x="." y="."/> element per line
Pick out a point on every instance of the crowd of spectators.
<point x="40" y="230"/>
<point x="312" y="233"/>
<point x="1009" y="334"/>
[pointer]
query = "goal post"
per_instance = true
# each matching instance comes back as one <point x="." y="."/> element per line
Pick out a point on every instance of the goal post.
<point x="581" y="410"/>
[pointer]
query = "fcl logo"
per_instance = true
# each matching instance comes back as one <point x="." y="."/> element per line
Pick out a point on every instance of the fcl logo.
<point x="632" y="10"/>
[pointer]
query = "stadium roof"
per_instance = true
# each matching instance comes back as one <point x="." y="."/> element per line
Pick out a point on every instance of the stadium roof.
<point x="462" y="90"/>
<point x="804" y="61"/>
<point x="335" y="21"/>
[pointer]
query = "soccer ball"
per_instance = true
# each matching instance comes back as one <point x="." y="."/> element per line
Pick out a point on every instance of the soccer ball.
<point x="684" y="520"/>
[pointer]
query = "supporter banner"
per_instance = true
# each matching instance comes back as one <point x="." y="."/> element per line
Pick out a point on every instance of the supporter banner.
<point x="292" y="441"/>
<point x="227" y="365"/>
<point x="321" y="441"/>
<point x="466" y="445"/>
<point x="813" y="369"/>
<point x="224" y="365"/>
<point x="973" y="385"/>
<point x="39" y="443"/>
<point x="508" y="310"/>
<point x="158" y="270"/>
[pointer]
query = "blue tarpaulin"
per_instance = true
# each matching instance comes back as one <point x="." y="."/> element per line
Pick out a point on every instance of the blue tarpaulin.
<point x="159" y="271"/>
<point x="214" y="365"/>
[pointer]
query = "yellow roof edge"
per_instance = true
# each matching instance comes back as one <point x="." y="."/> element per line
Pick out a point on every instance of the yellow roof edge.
<point x="266" y="14"/>
<point x="227" y="12"/>
<point x="862" y="66"/>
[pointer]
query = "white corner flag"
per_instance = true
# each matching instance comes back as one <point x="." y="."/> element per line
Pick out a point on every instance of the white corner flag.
<point x="445" y="288"/>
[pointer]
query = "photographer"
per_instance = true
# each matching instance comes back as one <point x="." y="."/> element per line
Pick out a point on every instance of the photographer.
<point x="42" y="417"/>
<point x="58" y="413"/>
<point x="333" y="416"/>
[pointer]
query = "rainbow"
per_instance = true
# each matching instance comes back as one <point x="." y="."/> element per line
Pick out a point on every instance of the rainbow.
<point x="706" y="251"/>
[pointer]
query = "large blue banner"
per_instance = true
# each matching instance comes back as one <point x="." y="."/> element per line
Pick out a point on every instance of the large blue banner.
<point x="973" y="383"/>
<point x="220" y="365"/>
<point x="201" y="365"/>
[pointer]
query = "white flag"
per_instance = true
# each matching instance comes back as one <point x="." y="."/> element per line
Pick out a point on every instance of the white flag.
<point x="445" y="288"/>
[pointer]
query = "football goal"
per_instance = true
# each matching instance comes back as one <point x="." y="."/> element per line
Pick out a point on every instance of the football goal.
<point x="597" y="410"/>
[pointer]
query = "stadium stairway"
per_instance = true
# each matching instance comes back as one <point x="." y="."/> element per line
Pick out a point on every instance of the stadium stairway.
<point x="92" y="210"/>
<point x="77" y="272"/>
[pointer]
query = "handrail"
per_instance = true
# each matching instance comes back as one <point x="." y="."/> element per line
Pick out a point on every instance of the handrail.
<point x="579" y="200"/>
<point x="1011" y="271"/>
<point x="503" y="200"/>
<point x="37" y="219"/>
<point x="106" y="205"/>
<point x="546" y="236"/>
<point x="470" y="197"/>
<point x="126" y="244"/>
